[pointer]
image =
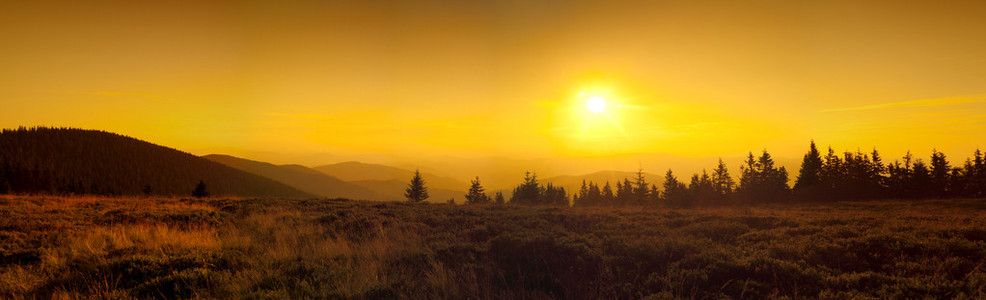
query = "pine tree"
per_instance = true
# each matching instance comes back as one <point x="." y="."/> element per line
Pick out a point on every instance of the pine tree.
<point x="811" y="168"/>
<point x="921" y="181"/>
<point x="640" y="188"/>
<point x="675" y="192"/>
<point x="416" y="190"/>
<point x="527" y="193"/>
<point x="722" y="183"/>
<point x="477" y="194"/>
<point x="977" y="180"/>
<point x="939" y="174"/>
<point x="608" y="198"/>
<point x="200" y="190"/>
<point x="498" y="199"/>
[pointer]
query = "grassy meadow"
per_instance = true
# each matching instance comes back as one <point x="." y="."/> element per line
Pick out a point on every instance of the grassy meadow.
<point x="86" y="247"/>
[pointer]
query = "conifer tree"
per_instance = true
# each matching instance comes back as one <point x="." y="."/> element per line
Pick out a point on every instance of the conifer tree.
<point x="416" y="190"/>
<point x="811" y="168"/>
<point x="640" y="188"/>
<point x="722" y="183"/>
<point x="939" y="174"/>
<point x="675" y="192"/>
<point x="477" y="194"/>
<point x="920" y="181"/>
<point x="608" y="198"/>
<point x="528" y="192"/>
<point x="498" y="199"/>
<point x="200" y="191"/>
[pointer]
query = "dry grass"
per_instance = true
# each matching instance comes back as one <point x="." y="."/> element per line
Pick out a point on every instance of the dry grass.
<point x="85" y="247"/>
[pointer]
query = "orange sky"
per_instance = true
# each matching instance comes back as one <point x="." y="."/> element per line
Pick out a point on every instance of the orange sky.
<point x="286" y="82"/>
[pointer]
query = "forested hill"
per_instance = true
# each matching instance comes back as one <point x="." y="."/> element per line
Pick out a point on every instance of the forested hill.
<point x="76" y="161"/>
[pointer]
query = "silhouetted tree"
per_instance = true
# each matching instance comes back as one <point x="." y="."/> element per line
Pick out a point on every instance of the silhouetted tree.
<point x="977" y="176"/>
<point x="807" y="184"/>
<point x="641" y="189"/>
<point x="722" y="183"/>
<point x="921" y="182"/>
<point x="527" y="192"/>
<point x="4" y="184"/>
<point x="552" y="195"/>
<point x="477" y="194"/>
<point x="608" y="198"/>
<point x="498" y="199"/>
<point x="416" y="190"/>
<point x="200" y="190"/>
<point x="701" y="189"/>
<point x="761" y="181"/>
<point x="675" y="192"/>
<point x="899" y="178"/>
<point x="939" y="174"/>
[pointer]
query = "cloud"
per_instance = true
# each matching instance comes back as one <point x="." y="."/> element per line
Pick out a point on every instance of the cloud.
<point x="915" y="103"/>
<point x="121" y="94"/>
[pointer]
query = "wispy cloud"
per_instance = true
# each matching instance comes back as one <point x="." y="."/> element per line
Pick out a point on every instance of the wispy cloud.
<point x="915" y="103"/>
<point x="121" y="94"/>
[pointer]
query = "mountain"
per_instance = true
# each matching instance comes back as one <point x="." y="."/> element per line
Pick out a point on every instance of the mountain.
<point x="356" y="171"/>
<point x="393" y="190"/>
<point x="76" y="161"/>
<point x="300" y="177"/>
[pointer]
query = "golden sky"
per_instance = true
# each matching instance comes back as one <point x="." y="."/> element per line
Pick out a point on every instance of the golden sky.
<point x="431" y="79"/>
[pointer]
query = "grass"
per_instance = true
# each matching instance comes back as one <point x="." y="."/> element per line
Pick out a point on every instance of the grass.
<point x="85" y="247"/>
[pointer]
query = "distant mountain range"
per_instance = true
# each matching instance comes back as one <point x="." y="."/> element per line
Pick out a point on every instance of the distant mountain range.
<point x="300" y="177"/>
<point x="74" y="161"/>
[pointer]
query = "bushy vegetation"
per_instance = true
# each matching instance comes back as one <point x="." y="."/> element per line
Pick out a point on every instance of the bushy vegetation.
<point x="318" y="248"/>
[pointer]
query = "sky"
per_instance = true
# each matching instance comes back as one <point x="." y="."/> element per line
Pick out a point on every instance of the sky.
<point x="414" y="82"/>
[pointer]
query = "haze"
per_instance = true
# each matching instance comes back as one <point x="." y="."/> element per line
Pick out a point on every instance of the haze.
<point x="480" y="85"/>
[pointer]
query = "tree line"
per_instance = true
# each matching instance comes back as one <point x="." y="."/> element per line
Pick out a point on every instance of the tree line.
<point x="832" y="177"/>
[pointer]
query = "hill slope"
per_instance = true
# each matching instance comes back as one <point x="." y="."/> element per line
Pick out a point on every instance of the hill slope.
<point x="393" y="190"/>
<point x="61" y="160"/>
<point x="356" y="171"/>
<point x="300" y="177"/>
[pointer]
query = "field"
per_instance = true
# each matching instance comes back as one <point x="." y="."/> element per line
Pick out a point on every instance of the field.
<point x="84" y="247"/>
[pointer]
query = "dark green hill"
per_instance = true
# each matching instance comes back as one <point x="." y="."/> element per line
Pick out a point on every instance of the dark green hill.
<point x="76" y="161"/>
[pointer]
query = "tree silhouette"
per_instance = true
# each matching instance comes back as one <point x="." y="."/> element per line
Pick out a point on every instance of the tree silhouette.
<point x="921" y="182"/>
<point x="477" y="194"/>
<point x="761" y="180"/>
<point x="807" y="183"/>
<point x="527" y="193"/>
<point x="416" y="190"/>
<point x="939" y="174"/>
<point x="701" y="189"/>
<point x="200" y="191"/>
<point x="722" y="183"/>
<point x="530" y="192"/>
<point x="675" y="192"/>
<point x="641" y="189"/>
<point x="498" y="199"/>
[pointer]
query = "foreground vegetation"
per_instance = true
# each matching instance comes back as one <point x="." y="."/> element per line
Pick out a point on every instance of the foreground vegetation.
<point x="57" y="247"/>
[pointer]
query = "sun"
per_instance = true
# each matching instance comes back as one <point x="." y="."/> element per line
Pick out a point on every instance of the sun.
<point x="596" y="104"/>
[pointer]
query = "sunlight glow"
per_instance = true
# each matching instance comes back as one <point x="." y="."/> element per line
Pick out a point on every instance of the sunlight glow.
<point x="596" y="104"/>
